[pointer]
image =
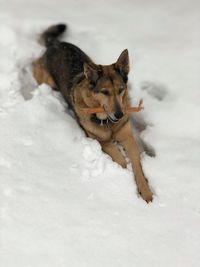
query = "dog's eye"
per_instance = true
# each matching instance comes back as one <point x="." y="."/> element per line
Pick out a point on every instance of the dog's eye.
<point x="105" y="92"/>
<point x="121" y="89"/>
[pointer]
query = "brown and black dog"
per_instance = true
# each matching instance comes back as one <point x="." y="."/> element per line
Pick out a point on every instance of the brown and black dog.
<point x="84" y="84"/>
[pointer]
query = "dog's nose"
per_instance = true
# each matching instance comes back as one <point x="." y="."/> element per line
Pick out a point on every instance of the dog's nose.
<point x="119" y="114"/>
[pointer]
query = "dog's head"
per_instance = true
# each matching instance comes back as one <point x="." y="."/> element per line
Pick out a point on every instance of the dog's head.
<point x="109" y="85"/>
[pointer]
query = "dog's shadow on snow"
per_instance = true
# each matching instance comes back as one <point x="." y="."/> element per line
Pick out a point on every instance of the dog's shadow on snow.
<point x="139" y="125"/>
<point x="28" y="83"/>
<point x="157" y="91"/>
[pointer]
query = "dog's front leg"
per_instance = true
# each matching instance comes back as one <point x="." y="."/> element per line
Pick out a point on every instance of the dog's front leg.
<point x="112" y="150"/>
<point x="125" y="137"/>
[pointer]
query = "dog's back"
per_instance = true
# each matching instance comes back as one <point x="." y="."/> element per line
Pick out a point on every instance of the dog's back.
<point x="63" y="61"/>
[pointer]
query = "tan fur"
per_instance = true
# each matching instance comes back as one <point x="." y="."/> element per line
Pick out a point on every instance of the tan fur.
<point x="120" y="132"/>
<point x="41" y="74"/>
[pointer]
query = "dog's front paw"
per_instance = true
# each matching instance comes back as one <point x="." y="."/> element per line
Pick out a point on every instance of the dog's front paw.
<point x="146" y="194"/>
<point x="123" y="164"/>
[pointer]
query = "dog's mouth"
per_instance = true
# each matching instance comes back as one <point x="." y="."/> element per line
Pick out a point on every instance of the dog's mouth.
<point x="113" y="119"/>
<point x="111" y="116"/>
<point x="108" y="117"/>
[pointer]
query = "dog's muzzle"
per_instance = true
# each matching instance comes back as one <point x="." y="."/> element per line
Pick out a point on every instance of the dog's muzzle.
<point x="114" y="117"/>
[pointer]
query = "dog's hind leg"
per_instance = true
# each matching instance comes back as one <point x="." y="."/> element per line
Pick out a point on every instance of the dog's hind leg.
<point x="41" y="74"/>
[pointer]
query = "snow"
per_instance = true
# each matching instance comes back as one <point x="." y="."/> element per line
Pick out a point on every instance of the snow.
<point x="63" y="202"/>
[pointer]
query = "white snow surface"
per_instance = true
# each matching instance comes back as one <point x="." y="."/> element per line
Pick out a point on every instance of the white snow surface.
<point x="63" y="202"/>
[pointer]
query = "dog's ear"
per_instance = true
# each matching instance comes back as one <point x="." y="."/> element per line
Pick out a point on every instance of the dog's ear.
<point x="122" y="64"/>
<point x="91" y="72"/>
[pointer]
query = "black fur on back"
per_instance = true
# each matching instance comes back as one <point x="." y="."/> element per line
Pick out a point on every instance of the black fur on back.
<point x="64" y="61"/>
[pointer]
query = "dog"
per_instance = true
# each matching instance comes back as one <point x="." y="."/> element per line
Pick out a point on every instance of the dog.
<point x="84" y="84"/>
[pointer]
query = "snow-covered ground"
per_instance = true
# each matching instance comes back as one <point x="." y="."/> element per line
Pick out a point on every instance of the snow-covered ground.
<point x="62" y="201"/>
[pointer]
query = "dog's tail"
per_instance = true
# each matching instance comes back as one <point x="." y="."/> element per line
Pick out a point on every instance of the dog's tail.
<point x="49" y="36"/>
